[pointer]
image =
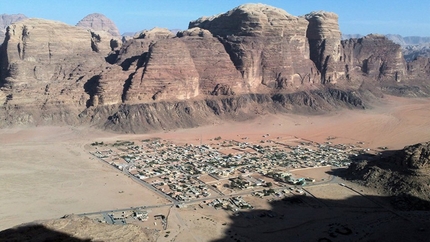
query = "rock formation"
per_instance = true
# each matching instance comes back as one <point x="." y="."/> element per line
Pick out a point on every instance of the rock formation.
<point x="325" y="48"/>
<point x="266" y="44"/>
<point x="76" y="228"/>
<point x="45" y="64"/>
<point x="99" y="22"/>
<point x="375" y="58"/>
<point x="6" y="20"/>
<point x="237" y="64"/>
<point x="419" y="68"/>
<point x="402" y="173"/>
<point x="216" y="71"/>
<point x="105" y="35"/>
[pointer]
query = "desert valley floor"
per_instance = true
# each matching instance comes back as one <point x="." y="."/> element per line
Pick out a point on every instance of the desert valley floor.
<point x="47" y="172"/>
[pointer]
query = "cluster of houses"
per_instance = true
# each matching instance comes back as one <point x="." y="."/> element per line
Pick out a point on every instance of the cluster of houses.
<point x="233" y="203"/>
<point x="175" y="169"/>
<point x="182" y="188"/>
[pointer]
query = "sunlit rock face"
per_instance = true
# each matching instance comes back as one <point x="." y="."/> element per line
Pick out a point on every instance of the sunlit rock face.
<point x="253" y="57"/>
<point x="266" y="44"/>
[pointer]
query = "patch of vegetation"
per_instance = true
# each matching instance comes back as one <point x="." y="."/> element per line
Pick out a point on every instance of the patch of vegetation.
<point x="123" y="143"/>
<point x="268" y="192"/>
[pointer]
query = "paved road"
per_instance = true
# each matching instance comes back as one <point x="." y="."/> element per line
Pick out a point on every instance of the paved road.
<point x="194" y="201"/>
<point x="127" y="209"/>
<point x="149" y="186"/>
<point x="141" y="182"/>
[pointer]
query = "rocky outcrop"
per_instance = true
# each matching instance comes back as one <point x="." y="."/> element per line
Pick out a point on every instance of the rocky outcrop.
<point x="325" y="48"/>
<point x="373" y="58"/>
<point x="165" y="115"/>
<point x="45" y="60"/>
<point x="76" y="228"/>
<point x="419" y="68"/>
<point x="402" y="173"/>
<point x="99" y="22"/>
<point x="105" y="35"/>
<point x="411" y="157"/>
<point x="266" y="44"/>
<point x="135" y="47"/>
<point x="168" y="72"/>
<point x="6" y="20"/>
<point x="217" y="74"/>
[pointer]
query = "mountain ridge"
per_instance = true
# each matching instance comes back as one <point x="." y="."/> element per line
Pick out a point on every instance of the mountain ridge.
<point x="229" y="58"/>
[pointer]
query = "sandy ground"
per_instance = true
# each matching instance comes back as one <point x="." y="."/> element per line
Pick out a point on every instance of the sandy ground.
<point x="46" y="172"/>
<point x="319" y="174"/>
<point x="394" y="123"/>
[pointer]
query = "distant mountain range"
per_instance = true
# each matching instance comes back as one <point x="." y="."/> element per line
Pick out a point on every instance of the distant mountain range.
<point x="413" y="46"/>
<point x="396" y="38"/>
<point x="6" y="20"/>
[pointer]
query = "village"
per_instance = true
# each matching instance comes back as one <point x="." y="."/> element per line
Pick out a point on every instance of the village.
<point x="221" y="173"/>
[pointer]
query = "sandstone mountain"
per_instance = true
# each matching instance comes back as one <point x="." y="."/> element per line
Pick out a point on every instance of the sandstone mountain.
<point x="99" y="22"/>
<point x="6" y="20"/>
<point x="251" y="60"/>
<point x="402" y="173"/>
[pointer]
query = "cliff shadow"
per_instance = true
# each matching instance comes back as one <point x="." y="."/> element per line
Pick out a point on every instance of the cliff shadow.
<point x="36" y="233"/>
<point x="310" y="218"/>
<point x="91" y="88"/>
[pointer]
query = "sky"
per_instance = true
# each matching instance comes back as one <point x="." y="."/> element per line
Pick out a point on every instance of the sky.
<point x="404" y="17"/>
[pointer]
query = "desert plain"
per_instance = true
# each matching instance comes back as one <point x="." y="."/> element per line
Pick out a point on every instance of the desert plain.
<point x="47" y="172"/>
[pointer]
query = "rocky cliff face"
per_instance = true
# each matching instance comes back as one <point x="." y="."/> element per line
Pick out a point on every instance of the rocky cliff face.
<point x="40" y="64"/>
<point x="375" y="58"/>
<point x="325" y="48"/>
<point x="217" y="74"/>
<point x="419" y="68"/>
<point x="51" y="72"/>
<point x="402" y="173"/>
<point x="267" y="45"/>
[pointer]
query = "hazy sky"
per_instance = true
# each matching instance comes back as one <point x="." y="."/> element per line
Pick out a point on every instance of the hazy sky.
<point x="405" y="17"/>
